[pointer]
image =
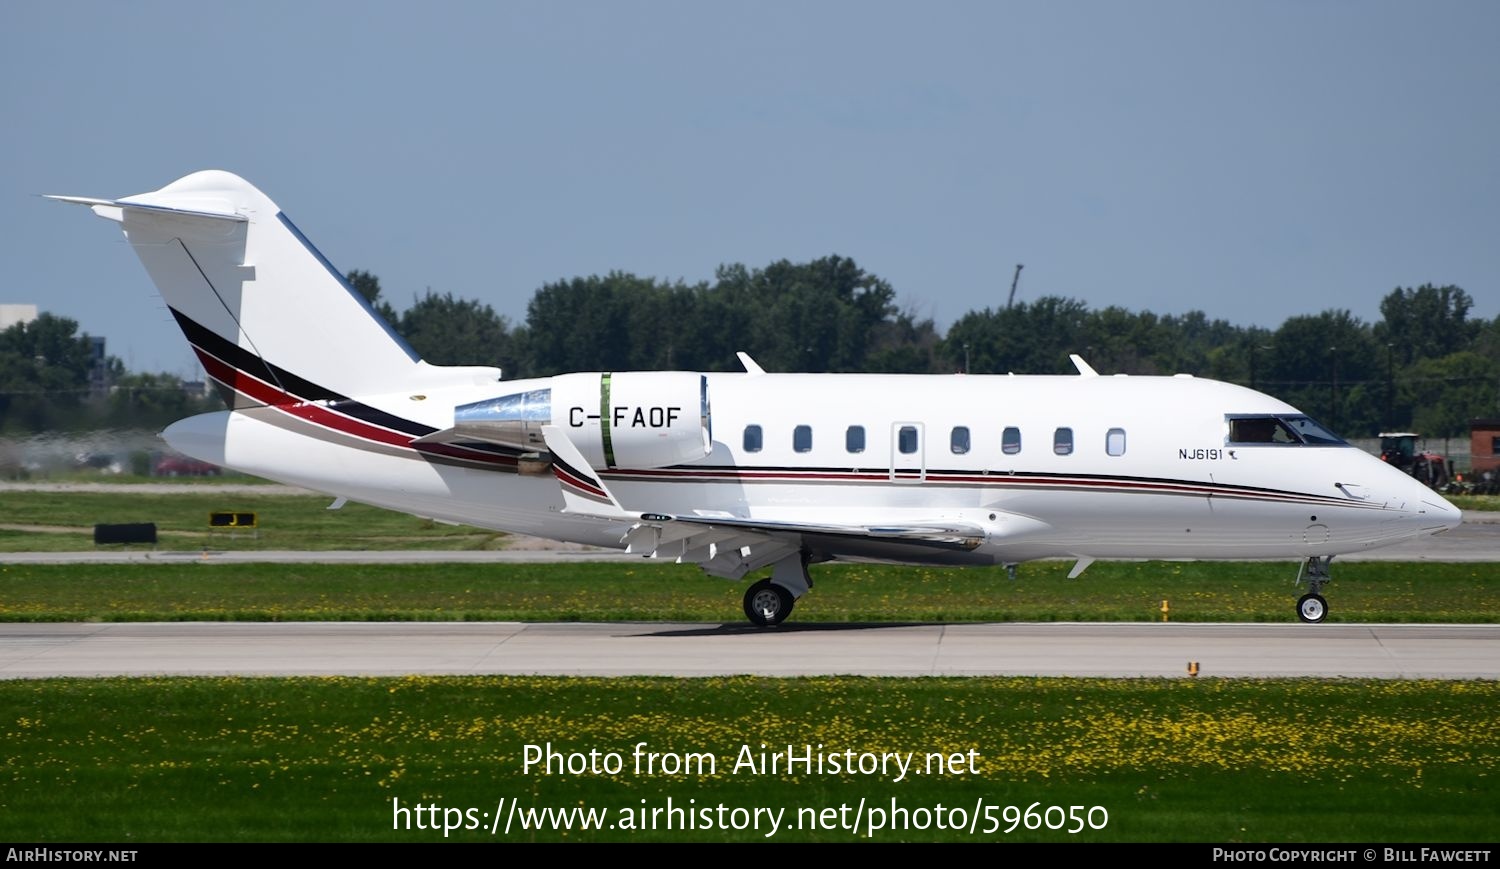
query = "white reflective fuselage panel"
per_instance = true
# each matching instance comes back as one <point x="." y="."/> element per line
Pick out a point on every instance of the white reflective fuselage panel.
<point x="1177" y="490"/>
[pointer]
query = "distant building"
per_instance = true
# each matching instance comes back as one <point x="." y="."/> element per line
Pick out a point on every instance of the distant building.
<point x="98" y="366"/>
<point x="10" y="315"/>
<point x="197" y="388"/>
<point x="1484" y="445"/>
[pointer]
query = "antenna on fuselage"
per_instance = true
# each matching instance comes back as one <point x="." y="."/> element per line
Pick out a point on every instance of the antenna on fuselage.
<point x="1013" y="281"/>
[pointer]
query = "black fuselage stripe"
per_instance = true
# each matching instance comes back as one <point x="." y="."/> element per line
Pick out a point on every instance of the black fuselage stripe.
<point x="238" y="357"/>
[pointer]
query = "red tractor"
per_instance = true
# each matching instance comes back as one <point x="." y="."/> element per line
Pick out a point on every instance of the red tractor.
<point x="1400" y="449"/>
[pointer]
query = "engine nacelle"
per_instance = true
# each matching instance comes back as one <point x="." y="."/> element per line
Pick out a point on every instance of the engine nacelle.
<point x="627" y="419"/>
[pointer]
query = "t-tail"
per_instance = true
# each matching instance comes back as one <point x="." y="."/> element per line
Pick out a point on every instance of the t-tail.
<point x="271" y="320"/>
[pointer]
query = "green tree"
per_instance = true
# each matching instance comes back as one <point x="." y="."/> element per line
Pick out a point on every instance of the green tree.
<point x="1315" y="363"/>
<point x="1446" y="393"/>
<point x="1026" y="338"/>
<point x="368" y="286"/>
<point x="904" y="344"/>
<point x="152" y="400"/>
<point x="44" y="373"/>
<point x="825" y="315"/>
<point x="618" y="322"/>
<point x="1426" y="323"/>
<point x="448" y="331"/>
<point x="815" y="316"/>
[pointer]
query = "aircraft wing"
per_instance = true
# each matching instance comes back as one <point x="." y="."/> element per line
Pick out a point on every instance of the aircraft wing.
<point x="724" y="545"/>
<point x="959" y="535"/>
<point x="732" y="546"/>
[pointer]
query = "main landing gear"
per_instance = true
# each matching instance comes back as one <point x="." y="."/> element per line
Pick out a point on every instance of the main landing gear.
<point x="767" y="603"/>
<point x="1311" y="607"/>
<point x="770" y="601"/>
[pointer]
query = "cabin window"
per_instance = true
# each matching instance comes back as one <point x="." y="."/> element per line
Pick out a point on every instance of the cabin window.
<point x="802" y="438"/>
<point x="1495" y="446"/>
<point x="906" y="439"/>
<point x="854" y="439"/>
<point x="1062" y="441"/>
<point x="1114" y="442"/>
<point x="1010" y="440"/>
<point x="959" y="440"/>
<point x="753" y="439"/>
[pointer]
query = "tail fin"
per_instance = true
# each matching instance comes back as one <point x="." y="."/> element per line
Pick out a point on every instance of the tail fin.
<point x="256" y="300"/>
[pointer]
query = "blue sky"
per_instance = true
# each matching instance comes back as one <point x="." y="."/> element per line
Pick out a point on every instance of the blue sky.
<point x="1252" y="160"/>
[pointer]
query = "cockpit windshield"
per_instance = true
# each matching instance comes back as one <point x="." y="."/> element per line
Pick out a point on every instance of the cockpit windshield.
<point x="1283" y="430"/>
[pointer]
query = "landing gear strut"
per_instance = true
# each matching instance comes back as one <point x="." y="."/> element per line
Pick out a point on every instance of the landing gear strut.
<point x="1311" y="607"/>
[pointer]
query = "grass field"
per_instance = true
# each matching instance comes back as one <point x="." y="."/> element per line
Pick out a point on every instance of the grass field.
<point x="150" y="760"/>
<point x="1476" y="502"/>
<point x="1108" y="591"/>
<point x="64" y="522"/>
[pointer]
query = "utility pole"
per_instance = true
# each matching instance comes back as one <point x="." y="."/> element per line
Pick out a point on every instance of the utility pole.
<point x="1013" y="281"/>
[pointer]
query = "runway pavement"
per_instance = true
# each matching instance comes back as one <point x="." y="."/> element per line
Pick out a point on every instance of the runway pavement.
<point x="613" y="649"/>
<point x="661" y="649"/>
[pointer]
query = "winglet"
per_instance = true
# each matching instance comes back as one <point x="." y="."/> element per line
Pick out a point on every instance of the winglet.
<point x="582" y="489"/>
<point x="1084" y="369"/>
<point x="751" y="367"/>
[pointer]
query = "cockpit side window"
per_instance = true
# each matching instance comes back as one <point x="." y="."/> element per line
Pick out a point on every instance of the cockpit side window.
<point x="1310" y="431"/>
<point x="1260" y="430"/>
<point x="1288" y="430"/>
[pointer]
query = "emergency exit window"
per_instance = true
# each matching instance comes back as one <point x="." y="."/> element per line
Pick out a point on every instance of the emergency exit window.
<point x="906" y="439"/>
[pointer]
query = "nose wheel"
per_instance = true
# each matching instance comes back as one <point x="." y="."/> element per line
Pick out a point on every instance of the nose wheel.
<point x="1311" y="607"/>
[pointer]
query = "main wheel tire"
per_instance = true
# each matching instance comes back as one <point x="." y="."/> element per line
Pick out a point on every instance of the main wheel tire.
<point x="1312" y="608"/>
<point x="768" y="604"/>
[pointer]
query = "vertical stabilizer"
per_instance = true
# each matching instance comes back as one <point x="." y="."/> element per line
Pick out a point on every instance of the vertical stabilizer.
<point x="256" y="300"/>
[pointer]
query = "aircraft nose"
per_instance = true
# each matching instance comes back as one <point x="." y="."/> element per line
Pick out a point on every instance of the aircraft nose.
<point x="1443" y="510"/>
<point x="1436" y="513"/>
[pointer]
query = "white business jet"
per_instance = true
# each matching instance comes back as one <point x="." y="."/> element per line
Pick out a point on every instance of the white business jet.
<point x="741" y="472"/>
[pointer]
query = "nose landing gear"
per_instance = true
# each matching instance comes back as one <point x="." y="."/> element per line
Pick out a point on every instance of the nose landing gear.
<point x="1311" y="607"/>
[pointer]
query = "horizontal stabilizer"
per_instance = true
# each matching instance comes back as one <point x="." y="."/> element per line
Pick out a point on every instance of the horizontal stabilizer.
<point x="97" y="204"/>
